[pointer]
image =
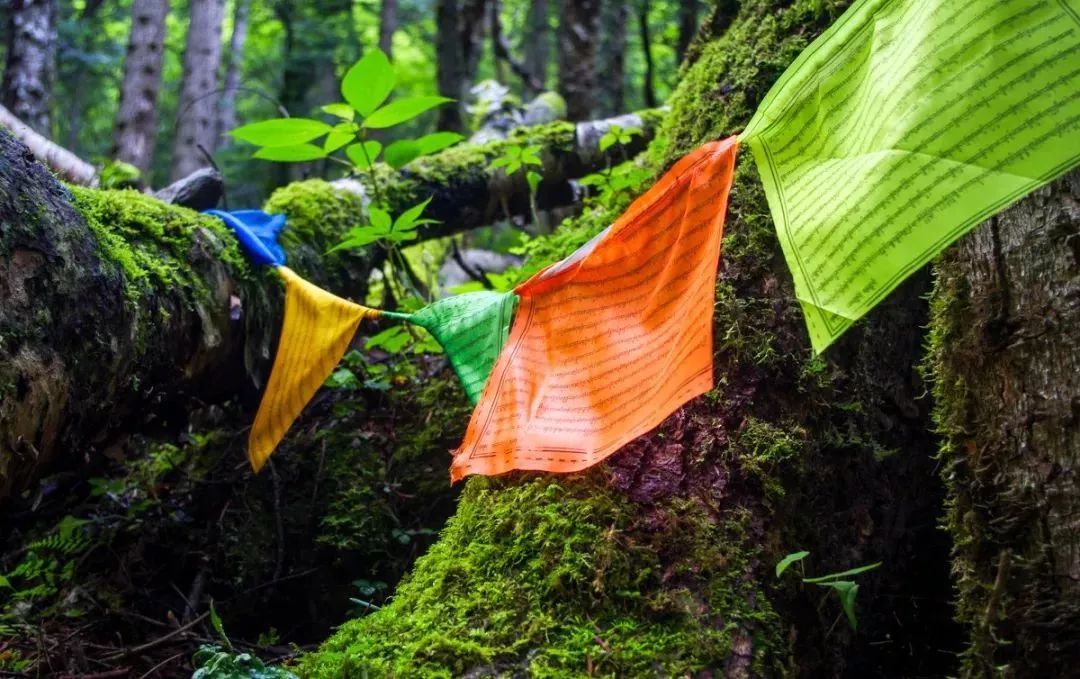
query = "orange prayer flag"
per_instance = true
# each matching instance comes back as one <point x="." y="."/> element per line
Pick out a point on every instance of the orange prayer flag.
<point x="610" y="341"/>
<point x="315" y="333"/>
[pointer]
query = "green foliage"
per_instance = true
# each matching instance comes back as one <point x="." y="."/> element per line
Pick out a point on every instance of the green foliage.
<point x="846" y="590"/>
<point x="48" y="567"/>
<point x="213" y="662"/>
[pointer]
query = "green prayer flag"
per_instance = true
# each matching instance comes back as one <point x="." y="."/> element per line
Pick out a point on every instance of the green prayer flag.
<point x="904" y="125"/>
<point x="472" y="328"/>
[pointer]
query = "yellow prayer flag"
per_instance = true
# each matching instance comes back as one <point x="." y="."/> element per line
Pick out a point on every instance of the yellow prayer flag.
<point x="315" y="334"/>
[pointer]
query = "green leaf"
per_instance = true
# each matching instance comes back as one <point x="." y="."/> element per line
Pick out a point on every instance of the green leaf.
<point x="409" y="218"/>
<point x="340" y="110"/>
<point x="339" y="136"/>
<point x="401" y="152"/>
<point x="358" y="238"/>
<point x="607" y="141"/>
<point x="846" y="590"/>
<point x="369" y="82"/>
<point x="844" y="574"/>
<point x="291" y="154"/>
<point x="391" y="340"/>
<point x="534" y="179"/>
<point x="357" y="156"/>
<point x="788" y="560"/>
<point x="400" y="110"/>
<point x="215" y="620"/>
<point x="380" y="220"/>
<point x="281" y="131"/>
<point x="430" y="143"/>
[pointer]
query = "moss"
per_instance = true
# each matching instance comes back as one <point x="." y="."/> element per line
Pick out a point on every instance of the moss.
<point x="560" y="577"/>
<point x="151" y="242"/>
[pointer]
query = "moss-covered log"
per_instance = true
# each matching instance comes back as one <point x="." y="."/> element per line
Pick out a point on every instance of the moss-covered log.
<point x="112" y="304"/>
<point x="1005" y="357"/>
<point x="465" y="193"/>
<point x="660" y="562"/>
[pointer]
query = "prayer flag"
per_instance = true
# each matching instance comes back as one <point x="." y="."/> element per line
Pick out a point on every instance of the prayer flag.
<point x="610" y="341"/>
<point x="471" y="328"/>
<point x="904" y="125"/>
<point x="315" y="334"/>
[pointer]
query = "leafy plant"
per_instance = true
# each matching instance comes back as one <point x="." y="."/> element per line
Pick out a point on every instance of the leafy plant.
<point x="367" y="106"/>
<point x="625" y="176"/>
<point x="214" y="662"/>
<point x="846" y="590"/>
<point x="522" y="157"/>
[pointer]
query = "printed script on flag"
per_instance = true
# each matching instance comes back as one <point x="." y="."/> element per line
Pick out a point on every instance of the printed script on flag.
<point x="610" y="341"/>
<point x="904" y="125"/>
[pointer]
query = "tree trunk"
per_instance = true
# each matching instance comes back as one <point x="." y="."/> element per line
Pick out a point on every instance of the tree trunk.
<point x="85" y="40"/>
<point x="26" y="89"/>
<point x="661" y="561"/>
<point x="610" y="59"/>
<point x="136" y="119"/>
<point x="227" y="111"/>
<point x="459" y="34"/>
<point x="536" y="45"/>
<point x="1005" y="357"/>
<point x="578" y="26"/>
<point x="688" y="20"/>
<point x="196" y="125"/>
<point x="648" y="84"/>
<point x="387" y="26"/>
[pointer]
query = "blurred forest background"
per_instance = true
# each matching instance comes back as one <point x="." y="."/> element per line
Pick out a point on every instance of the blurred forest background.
<point x="159" y="83"/>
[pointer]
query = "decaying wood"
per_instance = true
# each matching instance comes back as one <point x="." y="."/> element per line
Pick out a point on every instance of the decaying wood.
<point x="63" y="162"/>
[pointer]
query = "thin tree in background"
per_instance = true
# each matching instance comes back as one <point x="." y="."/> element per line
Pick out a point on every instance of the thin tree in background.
<point x="648" y="83"/>
<point x="577" y="59"/>
<point x="536" y="44"/>
<point x="75" y="78"/>
<point x="26" y="88"/>
<point x="136" y="119"/>
<point x="387" y="26"/>
<point x="688" y="24"/>
<point x="196" y="116"/>
<point x="227" y="109"/>
<point x="459" y="35"/>
<point x="610" y="59"/>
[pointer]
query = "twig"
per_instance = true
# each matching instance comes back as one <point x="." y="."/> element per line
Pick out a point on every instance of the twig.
<point x="118" y="672"/>
<point x="161" y="664"/>
<point x="478" y="274"/>
<point x="157" y="642"/>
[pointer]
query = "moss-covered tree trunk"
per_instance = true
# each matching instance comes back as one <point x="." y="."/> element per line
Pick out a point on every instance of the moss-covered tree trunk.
<point x="1005" y="354"/>
<point x="660" y="562"/>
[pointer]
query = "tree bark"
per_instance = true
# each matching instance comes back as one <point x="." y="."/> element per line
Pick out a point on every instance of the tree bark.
<point x="387" y="26"/>
<point x="136" y="119"/>
<point x="226" y="119"/>
<point x="609" y="96"/>
<point x="578" y="26"/>
<point x="196" y="125"/>
<point x="688" y="20"/>
<point x="459" y="34"/>
<point x="536" y="44"/>
<point x="26" y="89"/>
<point x="1005" y="357"/>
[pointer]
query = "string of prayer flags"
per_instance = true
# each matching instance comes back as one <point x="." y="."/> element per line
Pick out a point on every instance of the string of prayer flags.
<point x="315" y="333"/>
<point x="904" y="125"/>
<point x="610" y="341"/>
<point x="472" y="328"/>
